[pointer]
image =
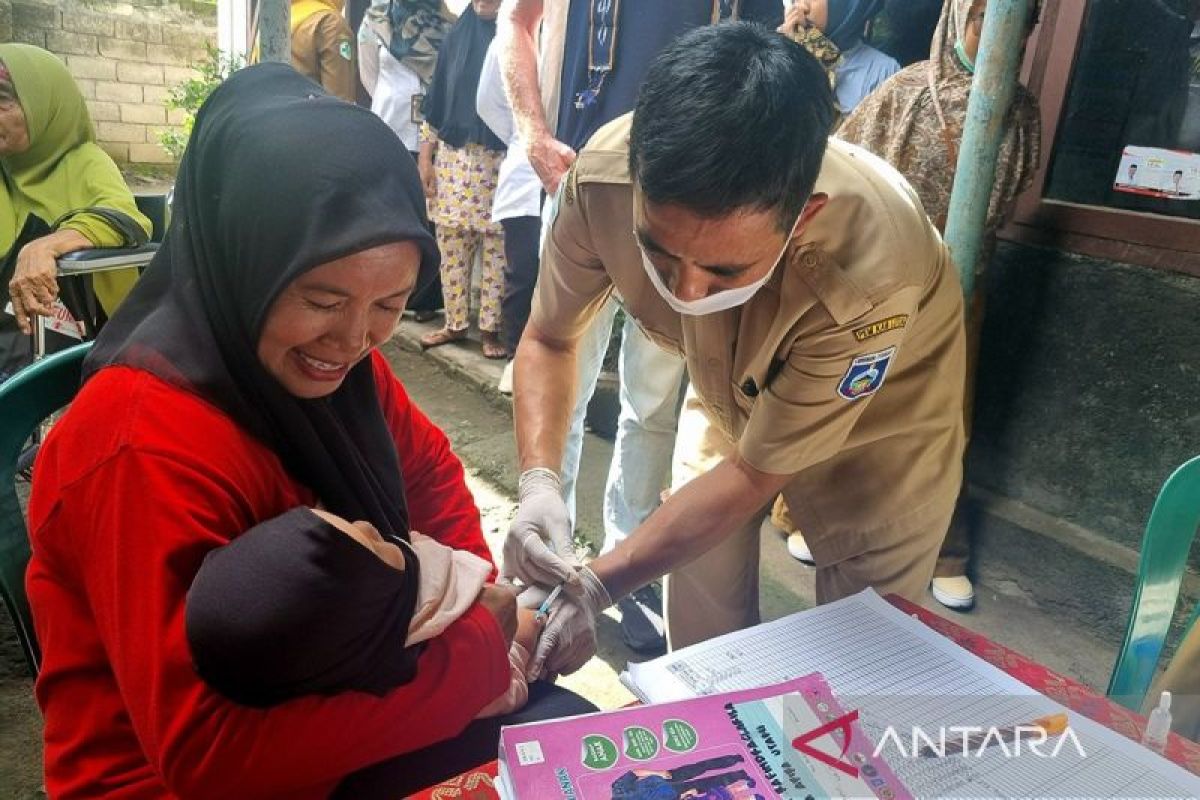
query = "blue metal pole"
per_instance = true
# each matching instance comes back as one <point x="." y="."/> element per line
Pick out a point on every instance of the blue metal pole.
<point x="275" y="31"/>
<point x="1005" y="24"/>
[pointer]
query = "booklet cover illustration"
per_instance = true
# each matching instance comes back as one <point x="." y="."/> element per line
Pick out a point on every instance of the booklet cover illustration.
<point x="791" y="740"/>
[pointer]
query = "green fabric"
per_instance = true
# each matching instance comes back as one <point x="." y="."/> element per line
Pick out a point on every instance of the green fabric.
<point x="64" y="172"/>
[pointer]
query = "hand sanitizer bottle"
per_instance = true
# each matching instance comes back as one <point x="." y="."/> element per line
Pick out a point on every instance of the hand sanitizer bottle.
<point x="1158" y="728"/>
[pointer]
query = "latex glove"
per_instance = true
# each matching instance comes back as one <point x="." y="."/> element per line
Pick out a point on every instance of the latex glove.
<point x="538" y="548"/>
<point x="569" y="638"/>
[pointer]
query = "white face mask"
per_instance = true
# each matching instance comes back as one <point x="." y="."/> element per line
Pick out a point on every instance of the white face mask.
<point x="719" y="301"/>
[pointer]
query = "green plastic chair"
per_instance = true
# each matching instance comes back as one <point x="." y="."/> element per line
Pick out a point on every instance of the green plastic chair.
<point x="27" y="398"/>
<point x="1169" y="534"/>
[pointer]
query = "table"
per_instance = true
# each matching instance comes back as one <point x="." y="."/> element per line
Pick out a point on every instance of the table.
<point x="479" y="784"/>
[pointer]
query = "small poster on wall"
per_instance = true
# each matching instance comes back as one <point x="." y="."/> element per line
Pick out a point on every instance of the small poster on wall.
<point x="1156" y="172"/>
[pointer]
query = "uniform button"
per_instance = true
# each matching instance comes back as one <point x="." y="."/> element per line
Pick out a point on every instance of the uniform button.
<point x="809" y="260"/>
<point x="749" y="388"/>
<point x="713" y="363"/>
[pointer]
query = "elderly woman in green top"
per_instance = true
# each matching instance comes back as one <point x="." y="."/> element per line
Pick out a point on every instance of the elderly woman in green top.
<point x="61" y="192"/>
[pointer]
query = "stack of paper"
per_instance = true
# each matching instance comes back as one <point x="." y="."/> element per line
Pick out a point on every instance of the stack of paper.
<point x="918" y="692"/>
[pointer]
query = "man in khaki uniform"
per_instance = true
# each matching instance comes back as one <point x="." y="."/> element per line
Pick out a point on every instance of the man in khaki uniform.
<point x="821" y="320"/>
<point x="323" y="46"/>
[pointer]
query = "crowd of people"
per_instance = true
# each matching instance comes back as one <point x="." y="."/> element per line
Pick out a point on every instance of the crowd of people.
<point x="257" y="569"/>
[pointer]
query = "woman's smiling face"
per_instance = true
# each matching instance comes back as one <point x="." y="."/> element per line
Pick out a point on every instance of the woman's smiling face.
<point x="329" y="318"/>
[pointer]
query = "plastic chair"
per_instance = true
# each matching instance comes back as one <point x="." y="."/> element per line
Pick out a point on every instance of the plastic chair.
<point x="28" y="397"/>
<point x="1169" y="534"/>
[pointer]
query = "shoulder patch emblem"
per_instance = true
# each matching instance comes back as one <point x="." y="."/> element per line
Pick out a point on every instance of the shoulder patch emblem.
<point x="344" y="50"/>
<point x="866" y="374"/>
<point x="882" y="326"/>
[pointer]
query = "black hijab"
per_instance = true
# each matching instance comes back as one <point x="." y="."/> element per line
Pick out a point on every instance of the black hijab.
<point x="278" y="178"/>
<point x="294" y="607"/>
<point x="848" y="19"/>
<point x="450" y="104"/>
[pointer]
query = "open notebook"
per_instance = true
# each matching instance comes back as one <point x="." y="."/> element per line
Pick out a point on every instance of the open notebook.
<point x="915" y="688"/>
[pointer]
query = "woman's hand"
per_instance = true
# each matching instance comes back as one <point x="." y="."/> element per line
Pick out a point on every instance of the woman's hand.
<point x="426" y="169"/>
<point x="428" y="180"/>
<point x="502" y="602"/>
<point x="34" y="286"/>
<point x="793" y="20"/>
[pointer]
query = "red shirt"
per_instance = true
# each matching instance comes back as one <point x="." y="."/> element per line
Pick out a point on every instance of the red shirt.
<point x="135" y="484"/>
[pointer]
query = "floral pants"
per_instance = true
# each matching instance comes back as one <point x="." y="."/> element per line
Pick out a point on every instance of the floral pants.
<point x="458" y="248"/>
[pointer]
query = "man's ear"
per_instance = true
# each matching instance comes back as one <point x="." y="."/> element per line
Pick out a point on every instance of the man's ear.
<point x="813" y="207"/>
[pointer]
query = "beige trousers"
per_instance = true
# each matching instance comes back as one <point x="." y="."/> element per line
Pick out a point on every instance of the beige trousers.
<point x="718" y="592"/>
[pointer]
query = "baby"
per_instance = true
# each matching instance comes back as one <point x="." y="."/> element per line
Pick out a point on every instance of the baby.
<point x="309" y="603"/>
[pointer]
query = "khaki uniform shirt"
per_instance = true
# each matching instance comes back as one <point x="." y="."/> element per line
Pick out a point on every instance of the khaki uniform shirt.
<point x="323" y="51"/>
<point x="877" y="456"/>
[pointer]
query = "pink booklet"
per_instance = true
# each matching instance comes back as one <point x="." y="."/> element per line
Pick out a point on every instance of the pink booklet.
<point x="791" y="740"/>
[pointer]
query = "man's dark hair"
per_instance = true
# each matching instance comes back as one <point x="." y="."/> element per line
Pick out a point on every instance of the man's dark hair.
<point x="731" y="116"/>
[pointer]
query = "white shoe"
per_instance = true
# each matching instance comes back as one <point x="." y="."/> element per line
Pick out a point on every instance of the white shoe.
<point x="954" y="592"/>
<point x="505" y="386"/>
<point x="798" y="549"/>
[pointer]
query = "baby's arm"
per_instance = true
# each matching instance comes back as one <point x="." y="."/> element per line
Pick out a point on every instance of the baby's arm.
<point x="528" y="630"/>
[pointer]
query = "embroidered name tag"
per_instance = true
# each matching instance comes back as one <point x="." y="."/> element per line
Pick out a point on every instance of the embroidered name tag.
<point x="881" y="327"/>
<point x="866" y="374"/>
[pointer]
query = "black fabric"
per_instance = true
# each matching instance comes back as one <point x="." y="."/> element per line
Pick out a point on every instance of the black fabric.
<point x="295" y="606"/>
<point x="278" y="178"/>
<point x="119" y="221"/>
<point x="520" y="276"/>
<point x="478" y="744"/>
<point x="449" y="106"/>
<point x="848" y="19"/>
<point x="643" y="31"/>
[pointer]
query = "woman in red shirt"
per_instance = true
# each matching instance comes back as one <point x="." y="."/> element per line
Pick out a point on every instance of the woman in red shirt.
<point x="240" y="380"/>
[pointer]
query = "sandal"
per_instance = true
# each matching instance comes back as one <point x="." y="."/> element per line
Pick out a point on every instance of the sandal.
<point x="491" y="346"/>
<point x="441" y="337"/>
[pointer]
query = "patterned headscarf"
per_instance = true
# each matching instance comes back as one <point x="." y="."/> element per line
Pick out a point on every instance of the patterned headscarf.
<point x="412" y="31"/>
<point x="820" y="47"/>
<point x="915" y="122"/>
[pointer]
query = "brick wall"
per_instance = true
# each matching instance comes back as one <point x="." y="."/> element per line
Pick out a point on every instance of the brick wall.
<point x="125" y="56"/>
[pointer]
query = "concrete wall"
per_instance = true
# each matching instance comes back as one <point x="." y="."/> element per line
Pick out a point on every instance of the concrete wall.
<point x="125" y="56"/>
<point x="1089" y="387"/>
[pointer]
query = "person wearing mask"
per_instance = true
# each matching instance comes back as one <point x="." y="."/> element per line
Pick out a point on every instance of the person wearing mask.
<point x="62" y="194"/>
<point x="915" y="123"/>
<point x="821" y="319"/>
<point x="594" y="58"/>
<point x="833" y="30"/>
